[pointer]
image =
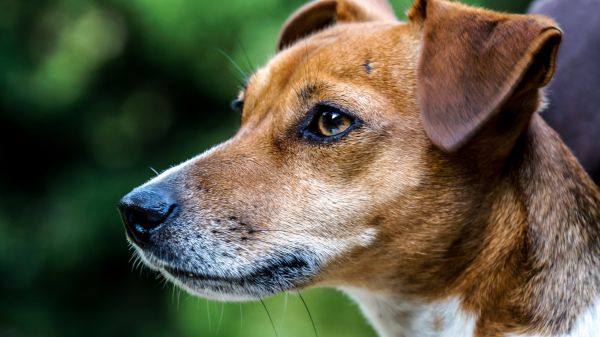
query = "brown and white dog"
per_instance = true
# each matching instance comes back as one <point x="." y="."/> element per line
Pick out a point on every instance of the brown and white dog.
<point x="402" y="162"/>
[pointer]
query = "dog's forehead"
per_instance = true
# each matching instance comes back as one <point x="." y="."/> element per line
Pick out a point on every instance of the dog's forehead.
<point x="364" y="54"/>
<point x="335" y="51"/>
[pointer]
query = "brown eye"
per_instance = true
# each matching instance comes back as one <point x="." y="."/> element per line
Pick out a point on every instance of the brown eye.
<point x="327" y="123"/>
<point x="332" y="123"/>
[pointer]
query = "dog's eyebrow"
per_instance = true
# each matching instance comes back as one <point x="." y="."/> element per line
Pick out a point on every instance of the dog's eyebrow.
<point x="306" y="92"/>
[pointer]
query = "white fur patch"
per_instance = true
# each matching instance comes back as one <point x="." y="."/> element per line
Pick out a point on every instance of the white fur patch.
<point x="587" y="325"/>
<point x="392" y="316"/>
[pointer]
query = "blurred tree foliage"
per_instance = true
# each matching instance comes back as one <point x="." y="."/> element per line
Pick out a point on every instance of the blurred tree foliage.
<point x="93" y="94"/>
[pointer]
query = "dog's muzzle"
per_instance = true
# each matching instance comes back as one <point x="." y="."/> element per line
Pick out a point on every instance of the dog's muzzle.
<point x="178" y="242"/>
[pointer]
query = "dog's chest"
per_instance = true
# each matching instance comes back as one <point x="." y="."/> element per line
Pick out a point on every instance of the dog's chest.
<point x="393" y="317"/>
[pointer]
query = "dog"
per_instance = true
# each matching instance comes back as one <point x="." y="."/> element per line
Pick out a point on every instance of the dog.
<point x="574" y="93"/>
<point x="404" y="163"/>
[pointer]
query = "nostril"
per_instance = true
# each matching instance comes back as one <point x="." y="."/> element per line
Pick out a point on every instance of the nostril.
<point x="142" y="221"/>
<point x="144" y="211"/>
<point x="147" y="219"/>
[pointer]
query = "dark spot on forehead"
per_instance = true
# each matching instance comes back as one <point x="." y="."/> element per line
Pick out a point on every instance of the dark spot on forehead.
<point x="367" y="66"/>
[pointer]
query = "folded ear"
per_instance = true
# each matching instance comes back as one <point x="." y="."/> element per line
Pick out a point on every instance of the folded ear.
<point x="476" y="65"/>
<point x="319" y="14"/>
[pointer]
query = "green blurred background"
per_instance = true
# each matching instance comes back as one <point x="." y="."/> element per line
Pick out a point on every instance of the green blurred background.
<point x="93" y="94"/>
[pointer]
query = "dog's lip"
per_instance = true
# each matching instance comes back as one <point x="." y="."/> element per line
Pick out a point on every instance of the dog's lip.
<point x="268" y="271"/>
<point x="185" y="274"/>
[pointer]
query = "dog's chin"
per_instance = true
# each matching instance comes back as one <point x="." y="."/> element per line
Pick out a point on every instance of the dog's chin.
<point x="265" y="278"/>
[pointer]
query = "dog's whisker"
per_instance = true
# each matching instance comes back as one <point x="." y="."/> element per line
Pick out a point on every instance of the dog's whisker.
<point x="209" y="318"/>
<point x="248" y="61"/>
<point x="316" y="72"/>
<point x="136" y="263"/>
<point x="220" y="318"/>
<point x="172" y="293"/>
<point x="236" y="66"/>
<point x="284" y="311"/>
<point x="309" y="314"/>
<point x="241" y="319"/>
<point x="269" y="316"/>
<point x="132" y="258"/>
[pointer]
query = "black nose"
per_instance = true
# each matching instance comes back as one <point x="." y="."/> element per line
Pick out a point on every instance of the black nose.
<point x="144" y="211"/>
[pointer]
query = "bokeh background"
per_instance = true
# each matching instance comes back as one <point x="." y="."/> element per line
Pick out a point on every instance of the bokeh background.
<point x="94" y="95"/>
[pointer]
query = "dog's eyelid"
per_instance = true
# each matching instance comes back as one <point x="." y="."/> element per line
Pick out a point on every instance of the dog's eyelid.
<point x="333" y="105"/>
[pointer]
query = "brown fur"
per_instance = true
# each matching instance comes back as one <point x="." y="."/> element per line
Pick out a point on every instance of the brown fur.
<point x="470" y="192"/>
<point x="492" y="247"/>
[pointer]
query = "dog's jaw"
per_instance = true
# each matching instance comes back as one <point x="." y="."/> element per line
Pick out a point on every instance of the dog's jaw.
<point x="264" y="278"/>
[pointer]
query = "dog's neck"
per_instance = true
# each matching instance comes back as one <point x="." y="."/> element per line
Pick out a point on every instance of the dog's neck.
<point x="393" y="316"/>
<point x="540" y="261"/>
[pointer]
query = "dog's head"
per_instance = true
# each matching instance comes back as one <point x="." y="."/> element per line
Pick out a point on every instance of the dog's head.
<point x="366" y="147"/>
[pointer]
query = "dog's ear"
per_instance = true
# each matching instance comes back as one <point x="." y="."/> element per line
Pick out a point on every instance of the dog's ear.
<point x="478" y="68"/>
<point x="319" y="14"/>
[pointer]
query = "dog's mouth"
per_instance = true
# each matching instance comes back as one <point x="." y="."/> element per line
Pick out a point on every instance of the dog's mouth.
<point x="270" y="276"/>
<point x="281" y="267"/>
